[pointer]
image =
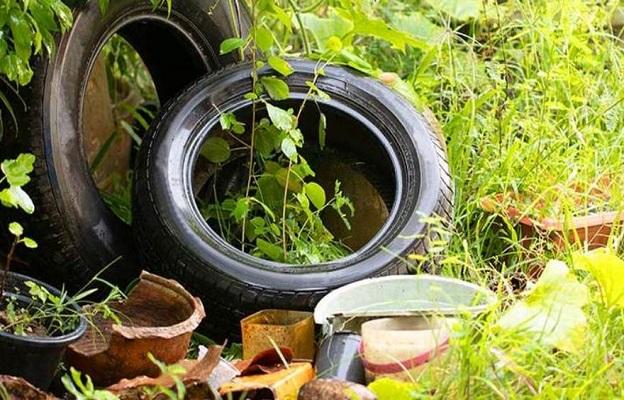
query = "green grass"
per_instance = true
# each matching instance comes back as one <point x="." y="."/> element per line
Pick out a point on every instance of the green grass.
<point x="530" y="99"/>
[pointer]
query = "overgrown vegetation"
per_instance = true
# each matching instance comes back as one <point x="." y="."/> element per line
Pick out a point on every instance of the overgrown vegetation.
<point x="529" y="97"/>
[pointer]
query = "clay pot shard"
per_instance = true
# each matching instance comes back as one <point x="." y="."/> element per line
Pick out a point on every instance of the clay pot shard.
<point x="158" y="317"/>
<point x="197" y="380"/>
<point x="19" y="388"/>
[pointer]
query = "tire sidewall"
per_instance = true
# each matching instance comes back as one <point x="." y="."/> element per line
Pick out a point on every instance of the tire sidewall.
<point x="98" y="235"/>
<point x="167" y="163"/>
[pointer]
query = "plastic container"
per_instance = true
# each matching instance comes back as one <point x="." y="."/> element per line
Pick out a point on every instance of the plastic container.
<point x="267" y="329"/>
<point x="345" y="309"/>
<point x="399" y="348"/>
<point x="34" y="358"/>
<point x="338" y="358"/>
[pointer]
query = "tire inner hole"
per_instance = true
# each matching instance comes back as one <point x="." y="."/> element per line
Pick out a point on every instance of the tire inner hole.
<point x="352" y="155"/>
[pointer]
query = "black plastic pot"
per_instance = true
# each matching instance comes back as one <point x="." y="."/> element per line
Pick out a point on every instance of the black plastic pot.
<point x="338" y="358"/>
<point x="34" y="358"/>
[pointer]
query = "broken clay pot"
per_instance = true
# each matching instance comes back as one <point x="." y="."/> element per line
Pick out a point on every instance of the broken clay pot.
<point x="592" y="231"/>
<point x="283" y="328"/>
<point x="196" y="380"/>
<point x="19" y="388"/>
<point x="158" y="317"/>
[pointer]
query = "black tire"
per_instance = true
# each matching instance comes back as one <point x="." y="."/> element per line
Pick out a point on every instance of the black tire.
<point x="176" y="242"/>
<point x="78" y="235"/>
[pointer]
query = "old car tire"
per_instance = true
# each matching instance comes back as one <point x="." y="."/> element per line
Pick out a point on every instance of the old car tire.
<point x="77" y="234"/>
<point x="177" y="242"/>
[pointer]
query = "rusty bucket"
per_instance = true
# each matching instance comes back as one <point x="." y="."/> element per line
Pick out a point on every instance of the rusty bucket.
<point x="267" y="329"/>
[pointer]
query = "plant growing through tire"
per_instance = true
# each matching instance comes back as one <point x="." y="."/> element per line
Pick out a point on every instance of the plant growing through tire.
<point x="277" y="215"/>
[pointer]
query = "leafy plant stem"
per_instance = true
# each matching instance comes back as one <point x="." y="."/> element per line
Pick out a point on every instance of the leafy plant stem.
<point x="7" y="265"/>
<point x="304" y="34"/>
<point x="254" y="77"/>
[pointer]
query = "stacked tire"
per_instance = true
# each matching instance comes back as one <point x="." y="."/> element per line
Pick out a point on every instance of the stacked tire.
<point x="78" y="235"/>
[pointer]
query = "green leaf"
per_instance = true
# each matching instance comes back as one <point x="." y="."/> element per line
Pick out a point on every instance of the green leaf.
<point x="28" y="242"/>
<point x="22" y="199"/>
<point x="103" y="6"/>
<point x="274" y="252"/>
<point x="7" y="199"/>
<point x="552" y="310"/>
<point x="22" y="34"/>
<point x="216" y="150"/>
<point x="241" y="209"/>
<point x="419" y="26"/>
<point x="461" y="10"/>
<point x="289" y="149"/>
<point x="231" y="44"/>
<point x="316" y="194"/>
<point x="322" y="131"/>
<point x="294" y="182"/>
<point x="16" y="229"/>
<point x="264" y="39"/>
<point x="16" y="171"/>
<point x="229" y="122"/>
<point x="322" y="29"/>
<point x="282" y="119"/>
<point x="276" y="88"/>
<point x="378" y="28"/>
<point x="280" y="65"/>
<point x="390" y="389"/>
<point x="608" y="270"/>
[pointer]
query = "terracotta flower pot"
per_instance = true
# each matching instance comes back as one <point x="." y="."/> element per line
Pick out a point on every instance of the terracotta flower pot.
<point x="592" y="230"/>
<point x="158" y="317"/>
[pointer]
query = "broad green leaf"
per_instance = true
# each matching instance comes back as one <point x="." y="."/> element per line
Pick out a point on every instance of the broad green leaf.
<point x="31" y="244"/>
<point x="16" y="229"/>
<point x="231" y="44"/>
<point x="22" y="34"/>
<point x="375" y="27"/>
<point x="294" y="182"/>
<point x="280" y="65"/>
<point x="289" y="149"/>
<point x="264" y="39"/>
<point x="271" y="7"/>
<point x="16" y="171"/>
<point x="7" y="199"/>
<point x="322" y="29"/>
<point x="608" y="271"/>
<point x="316" y="194"/>
<point x="276" y="88"/>
<point x="282" y="119"/>
<point x="268" y="139"/>
<point x="216" y="150"/>
<point x="461" y="10"/>
<point x="552" y="310"/>
<point x="274" y="252"/>
<point x="419" y="26"/>
<point x="390" y="389"/>
<point x="229" y="122"/>
<point x="241" y="209"/>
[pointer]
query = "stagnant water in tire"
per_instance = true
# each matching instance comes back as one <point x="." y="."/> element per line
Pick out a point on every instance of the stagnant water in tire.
<point x="119" y="105"/>
<point x="358" y="193"/>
